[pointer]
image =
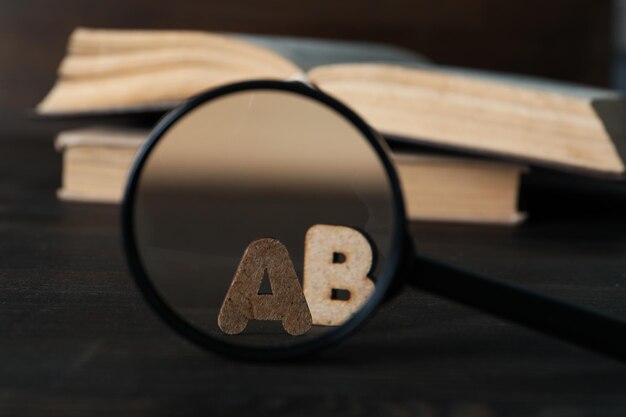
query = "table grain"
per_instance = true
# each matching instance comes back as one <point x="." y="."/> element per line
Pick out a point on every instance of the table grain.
<point x="76" y="337"/>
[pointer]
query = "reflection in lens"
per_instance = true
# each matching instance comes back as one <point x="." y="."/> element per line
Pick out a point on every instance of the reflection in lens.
<point x="254" y="165"/>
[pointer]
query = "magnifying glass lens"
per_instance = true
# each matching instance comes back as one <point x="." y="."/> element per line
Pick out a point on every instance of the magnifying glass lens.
<point x="263" y="218"/>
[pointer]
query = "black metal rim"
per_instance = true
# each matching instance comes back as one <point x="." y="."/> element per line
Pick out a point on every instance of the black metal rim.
<point x="254" y="353"/>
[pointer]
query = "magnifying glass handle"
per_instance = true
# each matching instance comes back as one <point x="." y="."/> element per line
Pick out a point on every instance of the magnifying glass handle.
<point x="537" y="311"/>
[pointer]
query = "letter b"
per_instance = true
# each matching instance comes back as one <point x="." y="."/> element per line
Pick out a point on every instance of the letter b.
<point x="336" y="258"/>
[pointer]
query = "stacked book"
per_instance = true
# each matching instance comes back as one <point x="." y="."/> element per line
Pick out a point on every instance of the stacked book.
<point x="462" y="139"/>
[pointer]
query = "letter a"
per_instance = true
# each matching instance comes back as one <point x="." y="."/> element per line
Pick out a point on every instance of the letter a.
<point x="336" y="258"/>
<point x="243" y="301"/>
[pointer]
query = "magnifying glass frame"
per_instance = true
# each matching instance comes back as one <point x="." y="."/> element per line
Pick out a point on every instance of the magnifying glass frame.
<point x="393" y="262"/>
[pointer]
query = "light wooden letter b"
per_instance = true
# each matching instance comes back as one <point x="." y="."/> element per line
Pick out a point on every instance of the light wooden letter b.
<point x="336" y="259"/>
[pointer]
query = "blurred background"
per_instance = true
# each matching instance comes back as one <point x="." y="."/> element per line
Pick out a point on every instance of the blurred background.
<point x="78" y="337"/>
<point x="580" y="41"/>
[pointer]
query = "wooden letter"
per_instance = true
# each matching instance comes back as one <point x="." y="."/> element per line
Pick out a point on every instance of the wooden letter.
<point x="243" y="302"/>
<point x="336" y="258"/>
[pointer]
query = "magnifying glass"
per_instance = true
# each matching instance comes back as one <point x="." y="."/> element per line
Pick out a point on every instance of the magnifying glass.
<point x="265" y="220"/>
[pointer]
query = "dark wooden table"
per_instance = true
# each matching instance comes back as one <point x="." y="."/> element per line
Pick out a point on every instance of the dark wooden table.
<point x="76" y="337"/>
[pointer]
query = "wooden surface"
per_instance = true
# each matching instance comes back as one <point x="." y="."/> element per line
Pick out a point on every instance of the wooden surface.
<point x="78" y="339"/>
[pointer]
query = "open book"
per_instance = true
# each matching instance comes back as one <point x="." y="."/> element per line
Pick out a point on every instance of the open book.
<point x="545" y="123"/>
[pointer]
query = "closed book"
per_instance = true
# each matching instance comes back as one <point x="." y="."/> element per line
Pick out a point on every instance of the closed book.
<point x="97" y="160"/>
